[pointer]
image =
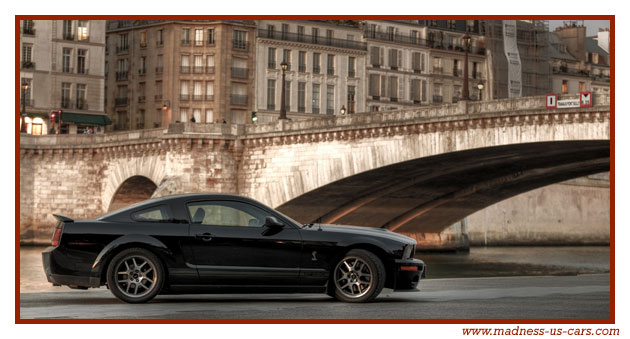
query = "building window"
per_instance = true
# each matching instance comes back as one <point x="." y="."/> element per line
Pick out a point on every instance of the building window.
<point x="65" y="62"/>
<point x="198" y="64"/>
<point x="160" y="37"/>
<point x="456" y="68"/>
<point x="287" y="95"/>
<point x="27" y="27"/>
<point x="393" y="59"/>
<point x="437" y="93"/>
<point x="286" y="57"/>
<point x="565" y="86"/>
<point x="185" y="64"/>
<point x="122" y="70"/>
<point x="390" y="33"/>
<point x="183" y="91"/>
<point x="209" y="116"/>
<point x="329" y="36"/>
<point x="183" y="115"/>
<point x="271" y="58"/>
<point x="65" y="95"/>
<point x="158" y="90"/>
<point x="140" y="119"/>
<point x="158" y="118"/>
<point x="351" y="99"/>
<point x="285" y="30"/>
<point x="582" y="86"/>
<point x="159" y="64"/>
<point x="301" y="97"/>
<point x="81" y="55"/>
<point x="316" y="64"/>
<point x="315" y="34"/>
<point x="143" y="65"/>
<point x="270" y="31"/>
<point x="416" y="63"/>
<point x="81" y="101"/>
<point x="375" y="56"/>
<point x="210" y="64"/>
<point x="82" y="30"/>
<point x="198" y="92"/>
<point x="27" y="93"/>
<point x="423" y="90"/>
<point x="351" y="67"/>
<point x="414" y="94"/>
<point x="330" y="99"/>
<point x="199" y="38"/>
<point x="375" y="86"/>
<point x="185" y="36"/>
<point x="197" y="115"/>
<point x="123" y="47"/>
<point x="437" y="65"/>
<point x="240" y="40"/>
<point x="271" y="94"/>
<point x="300" y="33"/>
<point x="316" y="98"/>
<point x="210" y="91"/>
<point x="302" y="61"/>
<point x="331" y="64"/>
<point x="143" y="39"/>
<point x="239" y="68"/>
<point x="393" y="88"/>
<point x="67" y="30"/>
<point x="27" y="55"/>
<point x="210" y="33"/>
<point x="142" y="92"/>
<point x="238" y="95"/>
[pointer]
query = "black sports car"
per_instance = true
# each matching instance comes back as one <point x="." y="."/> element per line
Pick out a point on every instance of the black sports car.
<point x="216" y="243"/>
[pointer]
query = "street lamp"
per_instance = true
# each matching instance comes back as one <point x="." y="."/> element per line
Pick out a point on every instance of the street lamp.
<point x="283" y="110"/>
<point x="480" y="88"/>
<point x="23" y="113"/>
<point x="342" y="110"/>
<point x="466" y="40"/>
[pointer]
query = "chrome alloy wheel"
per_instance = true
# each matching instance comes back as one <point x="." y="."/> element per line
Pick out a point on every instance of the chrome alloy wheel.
<point x="136" y="276"/>
<point x="353" y="277"/>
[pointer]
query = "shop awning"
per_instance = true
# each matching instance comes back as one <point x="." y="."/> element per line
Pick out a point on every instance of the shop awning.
<point x="86" y="119"/>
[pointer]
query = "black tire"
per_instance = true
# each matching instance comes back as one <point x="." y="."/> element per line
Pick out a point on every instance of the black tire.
<point x="137" y="283"/>
<point x="358" y="277"/>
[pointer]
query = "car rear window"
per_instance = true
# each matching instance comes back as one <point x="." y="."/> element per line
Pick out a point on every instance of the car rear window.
<point x="153" y="214"/>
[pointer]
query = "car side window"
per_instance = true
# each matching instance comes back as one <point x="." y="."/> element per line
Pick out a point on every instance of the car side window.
<point x="226" y="213"/>
<point x="152" y="214"/>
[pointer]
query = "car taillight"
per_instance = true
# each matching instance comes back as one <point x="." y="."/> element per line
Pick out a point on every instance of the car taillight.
<point x="56" y="236"/>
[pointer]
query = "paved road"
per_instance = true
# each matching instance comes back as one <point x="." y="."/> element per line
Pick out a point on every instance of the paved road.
<point x="581" y="297"/>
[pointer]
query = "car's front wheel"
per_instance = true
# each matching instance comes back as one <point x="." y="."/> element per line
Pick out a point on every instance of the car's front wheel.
<point x="358" y="277"/>
<point x="135" y="275"/>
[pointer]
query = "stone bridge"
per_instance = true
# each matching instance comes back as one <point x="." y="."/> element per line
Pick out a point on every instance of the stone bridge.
<point x="413" y="171"/>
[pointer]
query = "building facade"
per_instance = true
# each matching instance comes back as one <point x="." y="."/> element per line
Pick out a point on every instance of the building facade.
<point x="62" y="71"/>
<point x="160" y="72"/>
<point x="326" y="65"/>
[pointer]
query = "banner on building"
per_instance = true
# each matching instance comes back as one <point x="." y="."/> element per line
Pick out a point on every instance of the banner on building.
<point x="510" y="47"/>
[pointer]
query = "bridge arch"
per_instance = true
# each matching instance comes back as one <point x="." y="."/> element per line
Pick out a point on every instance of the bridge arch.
<point x="133" y="190"/>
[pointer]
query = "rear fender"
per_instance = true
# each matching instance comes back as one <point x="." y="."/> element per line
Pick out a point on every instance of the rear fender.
<point x="125" y="241"/>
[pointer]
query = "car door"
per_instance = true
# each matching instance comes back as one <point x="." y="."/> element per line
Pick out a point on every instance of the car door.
<point x="232" y="245"/>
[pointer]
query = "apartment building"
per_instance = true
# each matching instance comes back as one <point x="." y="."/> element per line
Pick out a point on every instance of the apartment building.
<point x="325" y="72"/>
<point x="62" y="70"/>
<point x="159" y="72"/>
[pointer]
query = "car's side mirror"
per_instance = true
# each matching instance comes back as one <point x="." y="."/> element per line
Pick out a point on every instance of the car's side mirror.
<point x="273" y="222"/>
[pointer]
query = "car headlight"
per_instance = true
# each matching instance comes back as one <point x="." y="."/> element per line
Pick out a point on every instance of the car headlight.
<point x="409" y="251"/>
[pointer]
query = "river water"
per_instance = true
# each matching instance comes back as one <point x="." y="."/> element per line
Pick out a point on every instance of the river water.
<point x="479" y="262"/>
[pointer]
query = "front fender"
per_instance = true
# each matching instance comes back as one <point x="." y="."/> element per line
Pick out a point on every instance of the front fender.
<point x="388" y="249"/>
<point x="126" y="241"/>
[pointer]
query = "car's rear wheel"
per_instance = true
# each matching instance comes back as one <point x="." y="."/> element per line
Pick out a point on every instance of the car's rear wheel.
<point x="135" y="275"/>
<point x="358" y="277"/>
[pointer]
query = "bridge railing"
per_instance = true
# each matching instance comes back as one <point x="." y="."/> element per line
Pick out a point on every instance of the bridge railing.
<point x="85" y="140"/>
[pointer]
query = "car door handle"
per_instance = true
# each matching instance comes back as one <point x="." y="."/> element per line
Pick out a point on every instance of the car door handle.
<point x="204" y="236"/>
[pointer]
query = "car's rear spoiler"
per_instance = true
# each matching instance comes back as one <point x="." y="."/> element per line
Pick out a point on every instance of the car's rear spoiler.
<point x="62" y="218"/>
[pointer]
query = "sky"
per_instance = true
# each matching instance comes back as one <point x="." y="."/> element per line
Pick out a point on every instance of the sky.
<point x="592" y="26"/>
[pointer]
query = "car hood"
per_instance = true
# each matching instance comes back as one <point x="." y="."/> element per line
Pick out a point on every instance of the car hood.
<point x="360" y="230"/>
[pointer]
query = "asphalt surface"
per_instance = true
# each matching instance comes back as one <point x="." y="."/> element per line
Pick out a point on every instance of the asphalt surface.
<point x="520" y="297"/>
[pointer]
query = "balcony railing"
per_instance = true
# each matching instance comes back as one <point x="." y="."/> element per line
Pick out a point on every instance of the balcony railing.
<point x="28" y="65"/>
<point x="271" y="107"/>
<point x="311" y="39"/>
<point x="197" y="69"/>
<point x="302" y="68"/>
<point x="271" y="65"/>
<point x="143" y="44"/>
<point x="456" y="98"/>
<point x="315" y="110"/>
<point x="330" y="71"/>
<point x="28" y="31"/>
<point x="209" y="69"/>
<point x="209" y="97"/>
<point x="437" y="70"/>
<point x="185" y="42"/>
<point x="197" y="97"/>
<point x="240" y="44"/>
<point x="238" y="72"/>
<point x="437" y="99"/>
<point x="301" y="109"/>
<point x="393" y="99"/>
<point x="159" y="42"/>
<point x="68" y="36"/>
<point x="158" y="97"/>
<point x="316" y="69"/>
<point x="159" y="69"/>
<point x="351" y="73"/>
<point x="142" y="71"/>
<point x="457" y="72"/>
<point x="184" y="69"/>
<point x="121" y="76"/>
<point x="238" y="99"/>
<point x="330" y="111"/>
<point x="122" y="49"/>
<point x="82" y="104"/>
<point x="122" y="101"/>
<point x="142" y="98"/>
<point x="184" y="97"/>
